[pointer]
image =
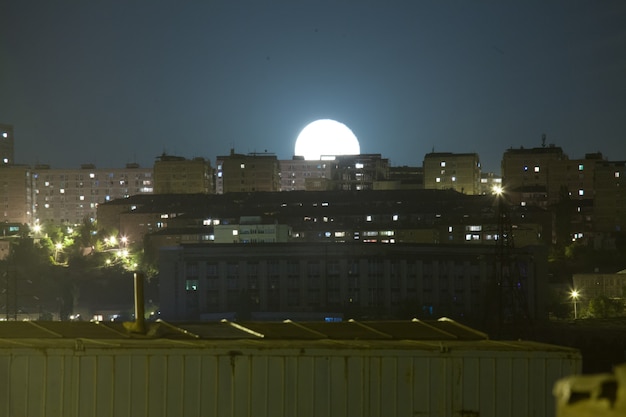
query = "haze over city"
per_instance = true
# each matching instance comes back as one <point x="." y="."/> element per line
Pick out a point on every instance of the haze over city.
<point x="116" y="82"/>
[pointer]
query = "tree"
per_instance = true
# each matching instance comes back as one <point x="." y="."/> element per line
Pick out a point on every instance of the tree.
<point x="604" y="307"/>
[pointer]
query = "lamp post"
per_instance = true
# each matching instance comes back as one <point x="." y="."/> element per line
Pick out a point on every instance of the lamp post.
<point x="57" y="248"/>
<point x="575" y="294"/>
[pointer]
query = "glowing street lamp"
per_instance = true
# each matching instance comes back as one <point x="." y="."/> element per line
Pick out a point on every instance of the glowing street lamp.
<point x="575" y="294"/>
<point x="57" y="247"/>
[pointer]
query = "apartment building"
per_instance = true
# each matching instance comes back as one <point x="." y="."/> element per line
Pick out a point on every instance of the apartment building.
<point x="452" y="171"/>
<point x="525" y="173"/>
<point x="296" y="173"/>
<point x="247" y="173"/>
<point x="178" y="175"/>
<point x="609" y="206"/>
<point x="357" y="172"/>
<point x="68" y="196"/>
<point x="16" y="194"/>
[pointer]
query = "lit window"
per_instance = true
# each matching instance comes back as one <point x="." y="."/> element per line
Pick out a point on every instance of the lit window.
<point x="81" y="198"/>
<point x="368" y="218"/>
<point x="5" y="135"/>
<point x="483" y="180"/>
<point x="453" y="179"/>
<point x="581" y="192"/>
<point x="581" y="167"/>
<point x="92" y="175"/>
<point x="442" y="164"/>
<point x="340" y="234"/>
<point x="394" y="217"/>
<point x="219" y="174"/>
<point x="437" y="179"/>
<point x="525" y="167"/>
<point x="62" y="190"/>
<point x="235" y="232"/>
<point x="46" y="205"/>
<point x="6" y="160"/>
<point x="47" y="183"/>
<point x="474" y="228"/>
<point x="578" y="209"/>
<point x="449" y="229"/>
<point x="616" y="174"/>
<point x="191" y="285"/>
<point x="243" y="166"/>
<point x="523" y="204"/>
<point x="468" y="236"/>
<point x="536" y="168"/>
<point x="358" y="165"/>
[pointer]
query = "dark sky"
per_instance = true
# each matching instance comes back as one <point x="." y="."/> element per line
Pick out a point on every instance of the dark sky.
<point x="111" y="82"/>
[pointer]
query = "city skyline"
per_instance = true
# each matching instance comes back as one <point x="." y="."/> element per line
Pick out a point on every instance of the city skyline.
<point x="112" y="83"/>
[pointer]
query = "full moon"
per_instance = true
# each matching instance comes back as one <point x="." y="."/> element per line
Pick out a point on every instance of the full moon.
<point x="326" y="137"/>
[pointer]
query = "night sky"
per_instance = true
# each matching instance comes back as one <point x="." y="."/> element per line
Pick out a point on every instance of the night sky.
<point x="112" y="82"/>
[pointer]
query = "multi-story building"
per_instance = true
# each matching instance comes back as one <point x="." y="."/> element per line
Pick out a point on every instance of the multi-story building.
<point x="572" y="178"/>
<point x="609" y="205"/>
<point x="7" y="144"/>
<point x="252" y="229"/>
<point x="357" y="280"/>
<point x="596" y="284"/>
<point x="490" y="183"/>
<point x="402" y="178"/>
<point x="68" y="196"/>
<point x="358" y="172"/>
<point x="452" y="171"/>
<point x="369" y="217"/>
<point x="296" y="173"/>
<point x="16" y="194"/>
<point x="178" y="175"/>
<point x="525" y="173"/>
<point x="247" y="173"/>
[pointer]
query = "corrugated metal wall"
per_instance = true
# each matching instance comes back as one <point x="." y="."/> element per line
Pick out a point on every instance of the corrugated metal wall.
<point x="274" y="382"/>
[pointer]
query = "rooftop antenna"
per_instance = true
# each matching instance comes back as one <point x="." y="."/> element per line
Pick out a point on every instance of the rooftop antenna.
<point x="543" y="140"/>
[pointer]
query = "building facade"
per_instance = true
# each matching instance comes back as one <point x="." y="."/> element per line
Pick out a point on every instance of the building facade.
<point x="525" y="173"/>
<point x="609" y="205"/>
<point x="247" y="173"/>
<point x="358" y="172"/>
<point x="178" y="175"/>
<point x="356" y="280"/>
<point x="452" y="171"/>
<point x="296" y="173"/>
<point x="69" y="196"/>
<point x="16" y="194"/>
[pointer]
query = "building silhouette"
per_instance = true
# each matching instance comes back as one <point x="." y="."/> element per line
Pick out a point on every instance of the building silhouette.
<point x="454" y="171"/>
<point x="247" y="172"/>
<point x="178" y="175"/>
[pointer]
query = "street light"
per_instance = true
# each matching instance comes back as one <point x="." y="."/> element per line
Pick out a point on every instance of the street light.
<point x="57" y="247"/>
<point x="575" y="294"/>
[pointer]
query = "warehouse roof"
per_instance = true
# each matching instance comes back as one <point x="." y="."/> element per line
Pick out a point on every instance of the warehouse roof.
<point x="432" y="335"/>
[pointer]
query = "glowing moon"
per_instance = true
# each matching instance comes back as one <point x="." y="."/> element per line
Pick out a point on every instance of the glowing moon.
<point x="326" y="137"/>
